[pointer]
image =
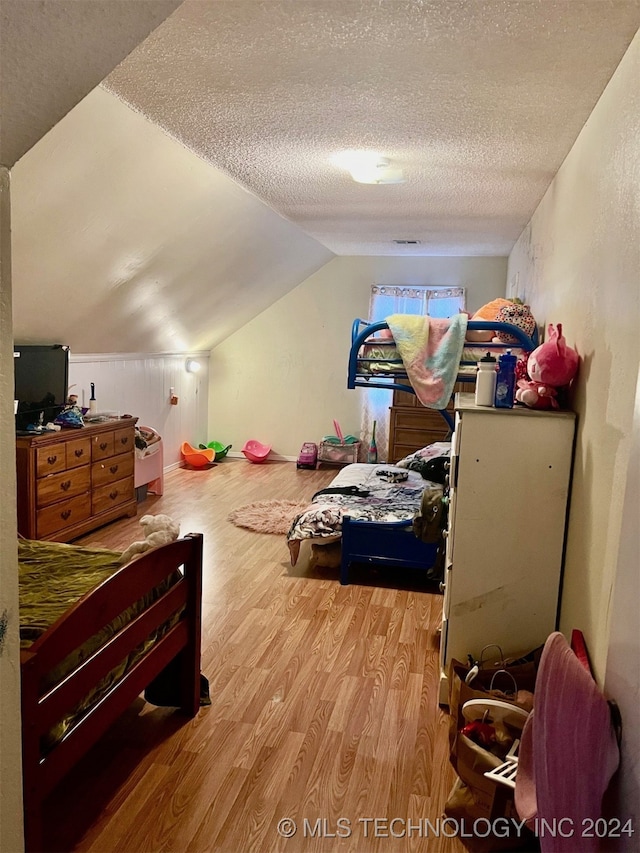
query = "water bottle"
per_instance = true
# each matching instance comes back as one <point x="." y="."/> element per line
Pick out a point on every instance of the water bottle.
<point x="506" y="381"/>
<point x="486" y="381"/>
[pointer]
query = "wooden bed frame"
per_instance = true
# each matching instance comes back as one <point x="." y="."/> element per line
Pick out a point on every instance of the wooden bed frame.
<point x="40" y="710"/>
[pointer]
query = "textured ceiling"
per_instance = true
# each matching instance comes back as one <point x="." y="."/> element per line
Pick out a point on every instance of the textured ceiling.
<point x="53" y="52"/>
<point x="478" y="102"/>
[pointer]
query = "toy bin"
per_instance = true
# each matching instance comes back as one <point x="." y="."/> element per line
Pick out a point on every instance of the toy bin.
<point x="149" y="465"/>
<point x="334" y="453"/>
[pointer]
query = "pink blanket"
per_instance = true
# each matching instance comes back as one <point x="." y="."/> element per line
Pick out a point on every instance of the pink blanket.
<point x="430" y="349"/>
<point x="568" y="754"/>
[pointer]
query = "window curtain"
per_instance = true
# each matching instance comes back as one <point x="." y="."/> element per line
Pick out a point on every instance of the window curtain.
<point x="392" y="299"/>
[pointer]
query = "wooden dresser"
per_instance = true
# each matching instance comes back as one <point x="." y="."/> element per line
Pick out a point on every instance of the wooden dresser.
<point x="412" y="426"/>
<point x="71" y="482"/>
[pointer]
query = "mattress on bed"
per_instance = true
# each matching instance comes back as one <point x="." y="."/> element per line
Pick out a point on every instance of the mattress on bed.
<point x="53" y="577"/>
<point x="379" y="358"/>
<point x="380" y="501"/>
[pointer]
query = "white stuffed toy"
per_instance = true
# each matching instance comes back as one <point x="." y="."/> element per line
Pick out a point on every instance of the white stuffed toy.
<point x="158" y="530"/>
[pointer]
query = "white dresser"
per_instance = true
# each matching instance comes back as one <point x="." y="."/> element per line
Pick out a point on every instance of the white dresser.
<point x="509" y="485"/>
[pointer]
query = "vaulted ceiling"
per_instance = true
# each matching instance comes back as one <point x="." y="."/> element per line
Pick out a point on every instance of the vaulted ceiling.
<point x="196" y="185"/>
<point x="53" y="52"/>
<point x="477" y="101"/>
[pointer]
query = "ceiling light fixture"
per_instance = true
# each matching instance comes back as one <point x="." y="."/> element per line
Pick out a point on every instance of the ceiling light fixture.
<point x="368" y="167"/>
<point x="192" y="366"/>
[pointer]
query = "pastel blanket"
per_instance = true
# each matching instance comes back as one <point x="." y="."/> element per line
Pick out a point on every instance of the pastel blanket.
<point x="430" y="349"/>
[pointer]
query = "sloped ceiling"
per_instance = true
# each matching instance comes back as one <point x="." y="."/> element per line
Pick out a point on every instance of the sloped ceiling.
<point x="478" y="101"/>
<point x="195" y="186"/>
<point x="53" y="52"/>
<point x="126" y="241"/>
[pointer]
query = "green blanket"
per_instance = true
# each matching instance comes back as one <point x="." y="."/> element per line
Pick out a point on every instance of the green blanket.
<point x="53" y="577"/>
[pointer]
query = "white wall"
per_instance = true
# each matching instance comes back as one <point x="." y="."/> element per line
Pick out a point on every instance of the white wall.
<point x="578" y="262"/>
<point x="139" y="384"/>
<point x="622" y="679"/>
<point x="126" y="241"/>
<point x="10" y="750"/>
<point x="282" y="378"/>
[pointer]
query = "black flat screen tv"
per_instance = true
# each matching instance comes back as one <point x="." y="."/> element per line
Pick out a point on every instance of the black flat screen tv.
<point x="41" y="383"/>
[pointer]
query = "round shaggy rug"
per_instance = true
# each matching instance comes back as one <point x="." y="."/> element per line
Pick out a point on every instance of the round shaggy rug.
<point x="267" y="516"/>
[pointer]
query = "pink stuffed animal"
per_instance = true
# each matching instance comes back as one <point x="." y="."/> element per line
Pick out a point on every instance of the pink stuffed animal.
<point x="551" y="366"/>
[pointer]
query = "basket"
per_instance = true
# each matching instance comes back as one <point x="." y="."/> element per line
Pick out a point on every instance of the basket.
<point x="336" y="453"/>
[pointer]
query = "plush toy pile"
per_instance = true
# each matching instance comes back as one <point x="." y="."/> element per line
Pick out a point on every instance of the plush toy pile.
<point x="512" y="311"/>
<point x="550" y="369"/>
<point x="158" y="530"/>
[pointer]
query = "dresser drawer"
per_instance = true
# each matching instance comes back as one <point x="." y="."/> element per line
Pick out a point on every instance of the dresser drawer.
<point x="50" y="459"/>
<point x="102" y="446"/>
<point x="63" y="514"/>
<point x="415" y="419"/>
<point x="112" y="494"/>
<point x="123" y="440"/>
<point x="419" y="437"/>
<point x="57" y="487"/>
<point x="78" y="452"/>
<point x="110" y="470"/>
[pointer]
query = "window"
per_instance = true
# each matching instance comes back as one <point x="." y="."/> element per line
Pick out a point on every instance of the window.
<point x="394" y="299"/>
<point x="434" y="301"/>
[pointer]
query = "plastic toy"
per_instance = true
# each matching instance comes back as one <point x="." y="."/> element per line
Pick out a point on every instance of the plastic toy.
<point x="308" y="456"/>
<point x="218" y="447"/>
<point x="372" y="452"/>
<point x="346" y="439"/>
<point x="196" y="457"/>
<point x="551" y="367"/>
<point x="255" y="451"/>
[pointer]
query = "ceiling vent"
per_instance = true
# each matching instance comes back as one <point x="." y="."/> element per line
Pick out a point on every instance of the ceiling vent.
<point x="407" y="242"/>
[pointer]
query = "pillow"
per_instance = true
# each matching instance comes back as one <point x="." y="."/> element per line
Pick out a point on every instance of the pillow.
<point x="517" y="315"/>
<point x="487" y="312"/>
<point x="414" y="461"/>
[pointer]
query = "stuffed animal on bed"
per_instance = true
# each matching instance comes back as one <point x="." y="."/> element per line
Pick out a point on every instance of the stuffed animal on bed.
<point x="551" y="367"/>
<point x="512" y="311"/>
<point x="158" y="530"/>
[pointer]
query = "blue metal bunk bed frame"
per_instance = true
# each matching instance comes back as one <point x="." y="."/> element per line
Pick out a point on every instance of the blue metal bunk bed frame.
<point x="394" y="543"/>
<point x="396" y="379"/>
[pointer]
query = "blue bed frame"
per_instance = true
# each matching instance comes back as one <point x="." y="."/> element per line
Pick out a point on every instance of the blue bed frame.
<point x="396" y="379"/>
<point x="393" y="544"/>
<point x="384" y="544"/>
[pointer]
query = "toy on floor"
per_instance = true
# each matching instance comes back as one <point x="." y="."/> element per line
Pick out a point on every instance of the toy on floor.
<point x="218" y="448"/>
<point x="195" y="457"/>
<point x="551" y="368"/>
<point x="339" y="437"/>
<point x="308" y="456"/>
<point x="255" y="451"/>
<point x="158" y="530"/>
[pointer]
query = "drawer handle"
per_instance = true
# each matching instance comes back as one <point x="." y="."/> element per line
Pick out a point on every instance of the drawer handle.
<point x="66" y="485"/>
<point x="52" y="460"/>
<point x="114" y="494"/>
<point x="124" y="440"/>
<point x="114" y="468"/>
<point x="65" y="514"/>
<point x="79" y="453"/>
<point x="104" y="445"/>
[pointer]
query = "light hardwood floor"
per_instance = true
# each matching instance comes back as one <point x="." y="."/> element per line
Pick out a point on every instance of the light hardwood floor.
<point x="323" y="703"/>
